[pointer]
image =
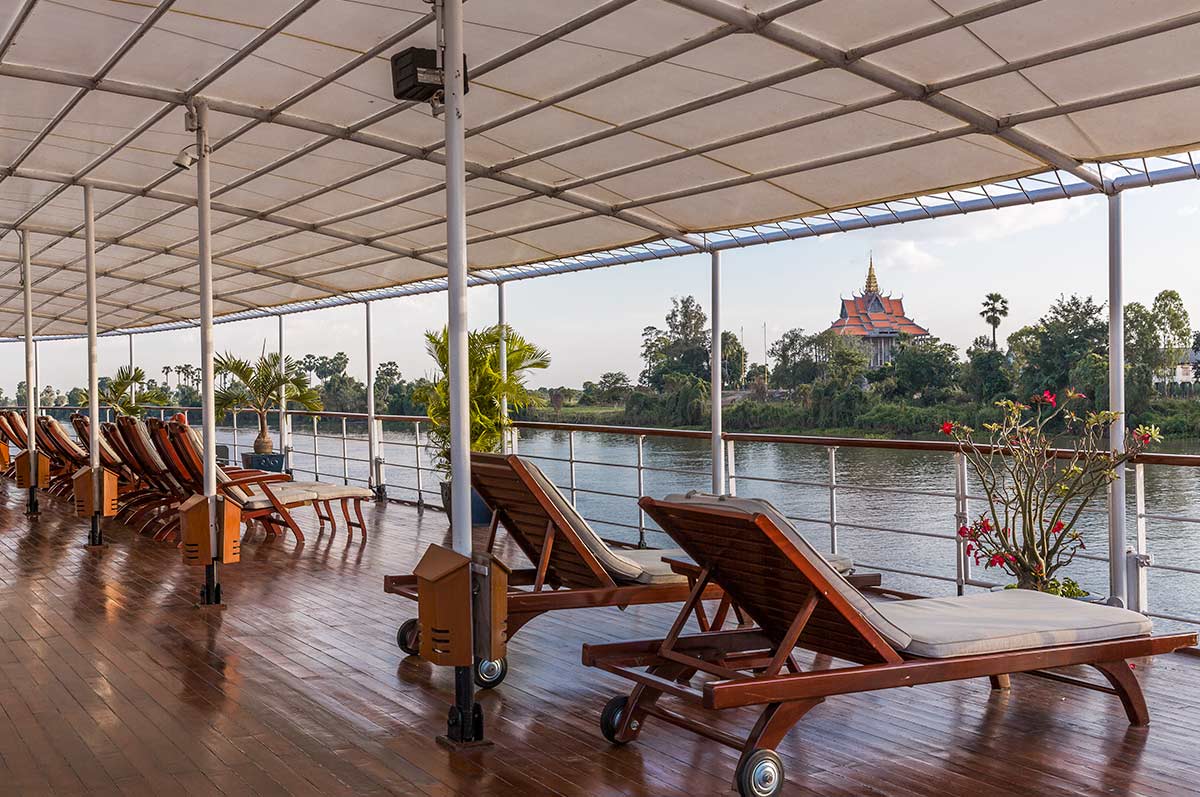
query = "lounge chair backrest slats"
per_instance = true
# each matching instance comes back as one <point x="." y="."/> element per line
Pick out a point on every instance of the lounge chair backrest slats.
<point x="512" y="489"/>
<point x="16" y="427"/>
<point x="769" y="572"/>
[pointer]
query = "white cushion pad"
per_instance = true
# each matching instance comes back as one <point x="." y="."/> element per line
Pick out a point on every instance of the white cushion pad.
<point x="654" y="569"/>
<point x="1013" y="619"/>
<point x="332" y="492"/>
<point x="288" y="496"/>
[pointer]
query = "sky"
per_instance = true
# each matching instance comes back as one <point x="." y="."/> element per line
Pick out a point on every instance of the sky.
<point x="591" y="322"/>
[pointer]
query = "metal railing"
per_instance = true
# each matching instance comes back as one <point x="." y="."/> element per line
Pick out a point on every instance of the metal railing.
<point x="404" y="471"/>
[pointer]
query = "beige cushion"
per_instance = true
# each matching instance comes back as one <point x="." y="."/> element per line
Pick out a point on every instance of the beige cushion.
<point x="68" y="444"/>
<point x="751" y="506"/>
<point x="288" y="496"/>
<point x="1011" y="619"/>
<point x="143" y="434"/>
<point x="620" y="565"/>
<point x="333" y="492"/>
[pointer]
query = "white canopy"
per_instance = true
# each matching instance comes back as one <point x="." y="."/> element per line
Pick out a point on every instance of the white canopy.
<point x="592" y="125"/>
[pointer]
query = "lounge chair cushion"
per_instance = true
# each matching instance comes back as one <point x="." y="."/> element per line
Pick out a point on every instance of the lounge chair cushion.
<point x="288" y="496"/>
<point x="654" y="569"/>
<point x="621" y="566"/>
<point x="333" y="492"/>
<point x="1012" y="619"/>
<point x="895" y="635"/>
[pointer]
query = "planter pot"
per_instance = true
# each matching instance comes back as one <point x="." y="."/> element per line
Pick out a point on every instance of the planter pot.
<point x="481" y="513"/>
<point x="268" y="462"/>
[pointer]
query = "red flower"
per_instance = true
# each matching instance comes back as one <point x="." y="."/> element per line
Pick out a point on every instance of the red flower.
<point x="1049" y="398"/>
<point x="987" y="524"/>
<point x="969" y="548"/>
<point x="1146" y="439"/>
<point x="1058" y="527"/>
<point x="948" y="428"/>
<point x="997" y="560"/>
<point x="963" y="531"/>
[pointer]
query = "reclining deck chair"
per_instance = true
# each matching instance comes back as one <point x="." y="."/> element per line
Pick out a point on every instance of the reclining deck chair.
<point x="68" y="455"/>
<point x="8" y="442"/>
<point x="575" y="568"/>
<point x="14" y="430"/>
<point x="797" y="600"/>
<point x="153" y="511"/>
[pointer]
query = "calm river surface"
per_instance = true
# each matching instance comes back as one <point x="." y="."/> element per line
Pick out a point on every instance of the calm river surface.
<point x="683" y="464"/>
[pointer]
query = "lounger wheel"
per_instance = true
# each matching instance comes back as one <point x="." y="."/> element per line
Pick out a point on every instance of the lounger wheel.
<point x="760" y="774"/>
<point x="489" y="673"/>
<point x="409" y="637"/>
<point x="612" y="716"/>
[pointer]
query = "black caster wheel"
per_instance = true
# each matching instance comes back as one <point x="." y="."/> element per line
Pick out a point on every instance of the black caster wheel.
<point x="760" y="775"/>
<point x="409" y="637"/>
<point x="489" y="673"/>
<point x="612" y="716"/>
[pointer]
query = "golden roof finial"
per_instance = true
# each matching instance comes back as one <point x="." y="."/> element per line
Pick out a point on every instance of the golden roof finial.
<point x="872" y="282"/>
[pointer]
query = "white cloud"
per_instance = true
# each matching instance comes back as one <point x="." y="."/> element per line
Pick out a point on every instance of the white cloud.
<point x="907" y="255"/>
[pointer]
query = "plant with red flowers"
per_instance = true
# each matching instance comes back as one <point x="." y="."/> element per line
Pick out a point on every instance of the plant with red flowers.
<point x="1037" y="486"/>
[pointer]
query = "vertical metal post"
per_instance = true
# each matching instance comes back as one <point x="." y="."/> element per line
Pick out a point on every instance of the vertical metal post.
<point x="833" y="514"/>
<point x="571" y="461"/>
<point x="210" y="593"/>
<point x="731" y="467"/>
<point x="283" y="441"/>
<point x="372" y="438"/>
<point x="417" y="460"/>
<point x="95" y="533"/>
<point x="466" y="717"/>
<point x="962" y="563"/>
<point x="233" y="415"/>
<point x="316" y="450"/>
<point x="132" y="386"/>
<point x="1138" y="589"/>
<point x="641" y="489"/>
<point x="717" y="381"/>
<point x="345" y="460"/>
<point x="502" y="322"/>
<point x="31" y="382"/>
<point x="1117" y="543"/>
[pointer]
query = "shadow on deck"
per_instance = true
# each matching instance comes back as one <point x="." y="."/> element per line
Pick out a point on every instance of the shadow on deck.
<point x="112" y="683"/>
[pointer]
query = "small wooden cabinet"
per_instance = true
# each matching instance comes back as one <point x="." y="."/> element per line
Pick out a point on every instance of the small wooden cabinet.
<point x="81" y="484"/>
<point x="444" y="607"/>
<point x="197" y="547"/>
<point x="5" y="455"/>
<point x="43" y="471"/>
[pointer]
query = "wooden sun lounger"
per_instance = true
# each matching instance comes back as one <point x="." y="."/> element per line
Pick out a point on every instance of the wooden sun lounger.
<point x="567" y="575"/>
<point x="68" y="456"/>
<point x="796" y="601"/>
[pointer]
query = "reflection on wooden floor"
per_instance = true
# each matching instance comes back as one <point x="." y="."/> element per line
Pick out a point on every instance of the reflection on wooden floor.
<point x="112" y="683"/>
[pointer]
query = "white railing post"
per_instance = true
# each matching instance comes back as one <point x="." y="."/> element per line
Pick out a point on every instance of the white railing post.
<point x="571" y="461"/>
<point x="234" y="452"/>
<point x="316" y="451"/>
<point x="345" y="456"/>
<point x="641" y="484"/>
<point x="1141" y="558"/>
<point x="417" y="460"/>
<point x="286" y="434"/>
<point x="1117" y="544"/>
<point x="833" y="513"/>
<point x="377" y="465"/>
<point x="962" y="512"/>
<point x="730" y="467"/>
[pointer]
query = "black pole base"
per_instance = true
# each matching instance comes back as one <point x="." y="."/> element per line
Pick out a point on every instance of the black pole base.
<point x="380" y="492"/>
<point x="95" y="534"/>
<point x="464" y="723"/>
<point x="31" y="507"/>
<point x="210" y="593"/>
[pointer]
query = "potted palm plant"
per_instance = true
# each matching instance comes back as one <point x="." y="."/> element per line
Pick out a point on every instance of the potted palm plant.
<point x="256" y="386"/>
<point x="487" y="390"/>
<point x="118" y="393"/>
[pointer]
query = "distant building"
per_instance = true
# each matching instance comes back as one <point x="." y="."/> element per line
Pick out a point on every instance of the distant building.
<point x="878" y="318"/>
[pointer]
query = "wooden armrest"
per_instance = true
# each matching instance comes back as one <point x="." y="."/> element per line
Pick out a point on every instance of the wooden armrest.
<point x="264" y="478"/>
<point x="683" y="567"/>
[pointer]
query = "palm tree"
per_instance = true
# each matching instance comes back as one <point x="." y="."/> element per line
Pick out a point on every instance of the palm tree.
<point x="117" y="393"/>
<point x="486" y="389"/>
<point x="166" y="371"/>
<point x="256" y="386"/>
<point x="995" y="307"/>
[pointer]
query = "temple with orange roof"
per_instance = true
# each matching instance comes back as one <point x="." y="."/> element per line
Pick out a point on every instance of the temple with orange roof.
<point x="877" y="318"/>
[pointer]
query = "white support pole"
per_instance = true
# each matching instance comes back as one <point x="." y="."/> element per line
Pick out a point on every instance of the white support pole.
<point x="132" y="387"/>
<point x="465" y="722"/>
<point x="96" y="534"/>
<point x="31" y="385"/>
<point x="1116" y="403"/>
<point x="373" y="480"/>
<point x="283" y="441"/>
<point x="718" y="455"/>
<point x="502" y="321"/>
<point x="210" y="593"/>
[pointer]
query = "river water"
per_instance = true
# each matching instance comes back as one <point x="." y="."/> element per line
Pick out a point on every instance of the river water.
<point x="677" y="464"/>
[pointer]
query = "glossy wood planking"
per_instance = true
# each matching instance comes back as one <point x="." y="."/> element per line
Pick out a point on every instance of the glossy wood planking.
<point x="111" y="683"/>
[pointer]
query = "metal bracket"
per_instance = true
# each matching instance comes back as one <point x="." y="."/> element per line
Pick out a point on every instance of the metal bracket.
<point x="1142" y="559"/>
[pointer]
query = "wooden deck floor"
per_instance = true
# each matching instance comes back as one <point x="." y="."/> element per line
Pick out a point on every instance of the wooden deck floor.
<point x="112" y="683"/>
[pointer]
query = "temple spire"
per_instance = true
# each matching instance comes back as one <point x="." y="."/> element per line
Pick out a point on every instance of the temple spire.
<point x="872" y="282"/>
